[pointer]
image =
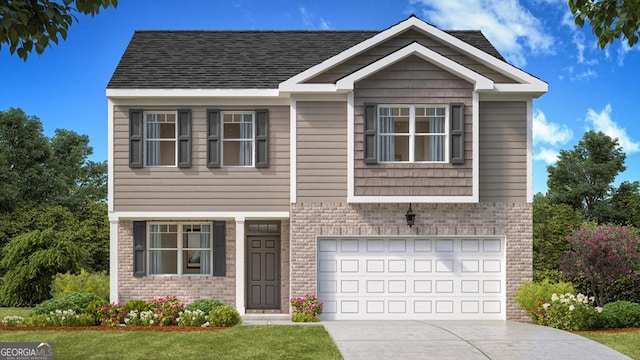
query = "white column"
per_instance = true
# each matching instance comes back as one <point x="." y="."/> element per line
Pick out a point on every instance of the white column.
<point x="240" y="304"/>
<point x="113" y="260"/>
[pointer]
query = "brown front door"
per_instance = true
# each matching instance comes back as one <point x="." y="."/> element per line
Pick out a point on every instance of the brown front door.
<point x="263" y="272"/>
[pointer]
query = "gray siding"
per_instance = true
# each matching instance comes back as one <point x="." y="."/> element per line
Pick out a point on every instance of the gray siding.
<point x="503" y="151"/>
<point x="398" y="42"/>
<point x="412" y="81"/>
<point x="199" y="188"/>
<point x="321" y="151"/>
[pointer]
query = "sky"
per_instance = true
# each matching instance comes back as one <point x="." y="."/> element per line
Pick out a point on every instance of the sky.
<point x="589" y="88"/>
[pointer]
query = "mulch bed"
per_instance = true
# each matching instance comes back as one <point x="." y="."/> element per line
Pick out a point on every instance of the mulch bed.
<point x="613" y="331"/>
<point x="173" y="328"/>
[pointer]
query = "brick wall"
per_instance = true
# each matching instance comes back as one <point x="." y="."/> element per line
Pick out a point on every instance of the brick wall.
<point x="186" y="288"/>
<point x="514" y="221"/>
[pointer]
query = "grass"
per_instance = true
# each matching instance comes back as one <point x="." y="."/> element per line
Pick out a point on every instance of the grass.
<point x="239" y="342"/>
<point x="627" y="343"/>
<point x="19" y="311"/>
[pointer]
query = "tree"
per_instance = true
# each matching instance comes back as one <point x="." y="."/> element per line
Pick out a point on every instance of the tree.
<point x="609" y="19"/>
<point x="32" y="260"/>
<point x="552" y="223"/>
<point x="626" y="203"/>
<point x="582" y="177"/>
<point x="602" y="255"/>
<point x="25" y="24"/>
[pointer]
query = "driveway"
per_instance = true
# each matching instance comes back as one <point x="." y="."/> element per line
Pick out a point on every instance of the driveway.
<point x="461" y="340"/>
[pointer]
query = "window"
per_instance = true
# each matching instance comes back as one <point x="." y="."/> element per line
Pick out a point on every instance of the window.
<point x="180" y="249"/>
<point x="237" y="138"/>
<point x="160" y="134"/>
<point x="412" y="133"/>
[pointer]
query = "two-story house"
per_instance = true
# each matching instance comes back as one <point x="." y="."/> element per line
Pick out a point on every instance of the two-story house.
<point x="254" y="166"/>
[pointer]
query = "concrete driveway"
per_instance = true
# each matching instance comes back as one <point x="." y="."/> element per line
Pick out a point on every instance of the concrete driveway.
<point x="461" y="340"/>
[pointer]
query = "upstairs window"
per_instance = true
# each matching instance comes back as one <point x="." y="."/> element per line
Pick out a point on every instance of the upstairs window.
<point x="412" y="133"/>
<point x="160" y="134"/>
<point x="237" y="138"/>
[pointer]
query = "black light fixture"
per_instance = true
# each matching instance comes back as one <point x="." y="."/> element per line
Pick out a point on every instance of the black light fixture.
<point x="411" y="216"/>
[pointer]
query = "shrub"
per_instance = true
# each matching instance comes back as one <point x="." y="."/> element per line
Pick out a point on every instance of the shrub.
<point x="619" y="314"/>
<point x="141" y="318"/>
<point x="196" y="317"/>
<point x="602" y="255"/>
<point x="12" y="320"/>
<point x="111" y="314"/>
<point x="225" y="316"/>
<point x="95" y="283"/>
<point x="308" y="305"/>
<point x="58" y="318"/>
<point x="168" y="309"/>
<point x="568" y="312"/>
<point x="204" y="305"/>
<point x="93" y="310"/>
<point x="530" y="295"/>
<point x="73" y="301"/>
<point x="138" y="305"/>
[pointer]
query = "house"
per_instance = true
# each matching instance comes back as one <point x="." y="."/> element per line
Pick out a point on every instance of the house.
<point x="255" y="166"/>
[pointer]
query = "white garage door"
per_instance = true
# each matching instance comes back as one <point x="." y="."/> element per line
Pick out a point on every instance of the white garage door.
<point x="411" y="278"/>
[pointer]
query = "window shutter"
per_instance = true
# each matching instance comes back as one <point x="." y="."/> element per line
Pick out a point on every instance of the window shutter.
<point x="184" y="138"/>
<point x="213" y="138"/>
<point x="457" y="134"/>
<point x="219" y="248"/>
<point x="139" y="248"/>
<point x="370" y="140"/>
<point x="135" y="139"/>
<point x="262" y="138"/>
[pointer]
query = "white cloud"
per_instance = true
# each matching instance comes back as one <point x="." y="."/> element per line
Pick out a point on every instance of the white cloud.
<point x="306" y="18"/>
<point x="547" y="155"/>
<point x="602" y="121"/>
<point x="309" y="20"/>
<point x="324" y="25"/>
<point x="545" y="132"/>
<point x="578" y="41"/>
<point x="509" y="26"/>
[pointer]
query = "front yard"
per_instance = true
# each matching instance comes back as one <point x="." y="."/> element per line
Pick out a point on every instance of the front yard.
<point x="238" y="342"/>
<point x="627" y="342"/>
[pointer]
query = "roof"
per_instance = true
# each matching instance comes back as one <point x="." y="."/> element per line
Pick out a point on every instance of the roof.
<point x="237" y="59"/>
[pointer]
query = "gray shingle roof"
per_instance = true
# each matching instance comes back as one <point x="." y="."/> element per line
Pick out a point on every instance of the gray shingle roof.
<point x="236" y="59"/>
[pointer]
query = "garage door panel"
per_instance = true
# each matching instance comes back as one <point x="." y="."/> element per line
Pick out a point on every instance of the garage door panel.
<point x="411" y="278"/>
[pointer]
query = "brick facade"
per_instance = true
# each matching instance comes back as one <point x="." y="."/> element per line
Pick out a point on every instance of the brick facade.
<point x="514" y="221"/>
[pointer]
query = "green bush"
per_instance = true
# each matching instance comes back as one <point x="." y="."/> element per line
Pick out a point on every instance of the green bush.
<point x="73" y="301"/>
<point x="568" y="312"/>
<point x="93" y="310"/>
<point x="59" y="318"/>
<point x="531" y="295"/>
<point x="225" y="316"/>
<point x="619" y="314"/>
<point x="195" y="317"/>
<point x="138" y="305"/>
<point x="304" y="317"/>
<point x="204" y="305"/>
<point x="95" y="283"/>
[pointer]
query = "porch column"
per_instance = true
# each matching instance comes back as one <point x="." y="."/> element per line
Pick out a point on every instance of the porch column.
<point x="113" y="260"/>
<point x="240" y="304"/>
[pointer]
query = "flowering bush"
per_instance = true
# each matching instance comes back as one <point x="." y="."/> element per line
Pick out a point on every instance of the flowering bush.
<point x="168" y="309"/>
<point x="193" y="318"/>
<point x="54" y="318"/>
<point x="12" y="320"/>
<point x="111" y="314"/>
<point x="568" y="312"/>
<point x="306" y="308"/>
<point x="531" y="294"/>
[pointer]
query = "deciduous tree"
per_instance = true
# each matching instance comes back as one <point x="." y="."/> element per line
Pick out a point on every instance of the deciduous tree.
<point x="609" y="19"/>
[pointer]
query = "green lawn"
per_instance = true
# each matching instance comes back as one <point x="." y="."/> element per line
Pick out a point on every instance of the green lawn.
<point x="6" y="311"/>
<point x="239" y="342"/>
<point x="627" y="343"/>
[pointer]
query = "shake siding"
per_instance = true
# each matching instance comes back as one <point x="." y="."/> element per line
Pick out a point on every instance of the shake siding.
<point x="412" y="81"/>
<point x="503" y="151"/>
<point x="321" y="151"/>
<point x="398" y="42"/>
<point x="199" y="188"/>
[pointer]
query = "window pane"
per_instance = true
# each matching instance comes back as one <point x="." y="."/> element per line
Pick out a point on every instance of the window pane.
<point x="163" y="262"/>
<point x="164" y="240"/>
<point x="394" y="148"/>
<point x="237" y="153"/>
<point x="430" y="148"/>
<point x="160" y="152"/>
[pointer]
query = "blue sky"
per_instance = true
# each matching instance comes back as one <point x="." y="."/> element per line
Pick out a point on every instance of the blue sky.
<point x="589" y="88"/>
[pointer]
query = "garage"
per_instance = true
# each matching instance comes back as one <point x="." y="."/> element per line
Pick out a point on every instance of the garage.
<point x="411" y="278"/>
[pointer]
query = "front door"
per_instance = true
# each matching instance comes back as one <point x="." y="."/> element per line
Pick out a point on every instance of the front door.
<point x="263" y="272"/>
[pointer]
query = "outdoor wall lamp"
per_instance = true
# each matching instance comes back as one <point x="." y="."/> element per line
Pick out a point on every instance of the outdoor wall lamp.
<point x="411" y="216"/>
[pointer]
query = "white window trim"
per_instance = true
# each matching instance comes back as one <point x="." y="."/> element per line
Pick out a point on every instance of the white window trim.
<point x="144" y="136"/>
<point x="253" y="138"/>
<point x="412" y="132"/>
<point x="180" y="248"/>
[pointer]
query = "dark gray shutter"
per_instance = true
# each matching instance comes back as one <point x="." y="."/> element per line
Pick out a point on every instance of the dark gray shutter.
<point x="219" y="248"/>
<point x="184" y="138"/>
<point x="139" y="248"/>
<point x="213" y="138"/>
<point x="262" y="138"/>
<point x="457" y="133"/>
<point x="135" y="139"/>
<point x="370" y="134"/>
